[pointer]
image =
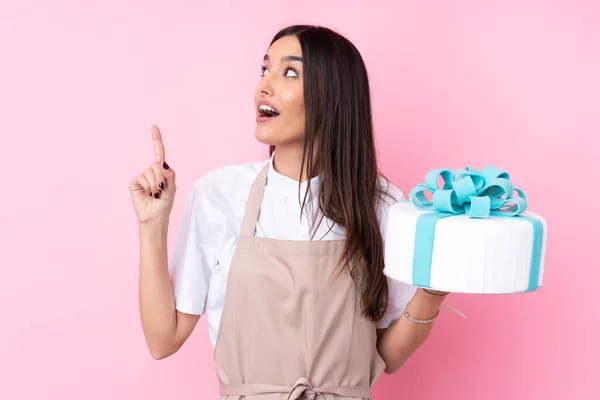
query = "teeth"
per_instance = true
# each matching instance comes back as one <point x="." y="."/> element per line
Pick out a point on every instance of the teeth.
<point x="266" y="108"/>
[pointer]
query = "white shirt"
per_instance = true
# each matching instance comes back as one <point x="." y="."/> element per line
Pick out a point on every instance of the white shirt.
<point x="212" y="219"/>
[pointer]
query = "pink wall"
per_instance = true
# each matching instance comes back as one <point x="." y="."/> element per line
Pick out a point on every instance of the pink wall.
<point x="515" y="84"/>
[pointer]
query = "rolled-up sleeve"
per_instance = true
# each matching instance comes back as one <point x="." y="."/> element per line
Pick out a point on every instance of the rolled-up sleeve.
<point x="400" y="293"/>
<point x="193" y="259"/>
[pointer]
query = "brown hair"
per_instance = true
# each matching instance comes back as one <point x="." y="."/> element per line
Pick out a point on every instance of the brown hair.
<point x="338" y="119"/>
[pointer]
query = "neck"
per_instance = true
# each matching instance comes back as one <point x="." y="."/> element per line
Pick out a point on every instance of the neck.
<point x="288" y="161"/>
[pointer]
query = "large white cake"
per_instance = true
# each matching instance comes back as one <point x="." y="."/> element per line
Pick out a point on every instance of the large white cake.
<point x="458" y="251"/>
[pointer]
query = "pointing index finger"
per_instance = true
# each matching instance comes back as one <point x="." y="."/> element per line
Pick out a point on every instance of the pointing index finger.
<point x="159" y="148"/>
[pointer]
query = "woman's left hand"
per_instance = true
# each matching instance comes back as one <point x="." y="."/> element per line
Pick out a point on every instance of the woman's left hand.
<point x="435" y="292"/>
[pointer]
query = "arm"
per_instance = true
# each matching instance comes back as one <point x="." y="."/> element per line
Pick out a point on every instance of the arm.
<point x="397" y="342"/>
<point x="165" y="328"/>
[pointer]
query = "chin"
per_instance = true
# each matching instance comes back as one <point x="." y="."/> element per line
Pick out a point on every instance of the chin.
<point x="272" y="136"/>
<point x="264" y="137"/>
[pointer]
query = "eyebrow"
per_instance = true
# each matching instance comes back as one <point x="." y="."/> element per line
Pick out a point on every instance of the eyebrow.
<point x="286" y="58"/>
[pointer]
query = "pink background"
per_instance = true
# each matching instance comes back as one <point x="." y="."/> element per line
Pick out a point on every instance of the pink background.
<point x="513" y="84"/>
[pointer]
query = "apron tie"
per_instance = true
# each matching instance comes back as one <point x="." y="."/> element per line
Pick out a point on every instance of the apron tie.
<point x="303" y="389"/>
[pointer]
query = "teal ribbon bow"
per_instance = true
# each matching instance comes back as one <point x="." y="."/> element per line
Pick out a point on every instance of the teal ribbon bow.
<point x="478" y="194"/>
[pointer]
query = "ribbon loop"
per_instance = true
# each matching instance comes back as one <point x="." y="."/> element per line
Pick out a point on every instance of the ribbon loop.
<point x="445" y="200"/>
<point x="464" y="189"/>
<point x="431" y="179"/>
<point x="478" y="207"/>
<point x="477" y="194"/>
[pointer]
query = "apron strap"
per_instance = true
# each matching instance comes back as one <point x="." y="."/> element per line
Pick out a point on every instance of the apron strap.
<point x="302" y="389"/>
<point x="254" y="202"/>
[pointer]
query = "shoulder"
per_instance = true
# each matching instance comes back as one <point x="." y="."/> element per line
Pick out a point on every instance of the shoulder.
<point x="389" y="194"/>
<point x="223" y="190"/>
<point x="227" y="180"/>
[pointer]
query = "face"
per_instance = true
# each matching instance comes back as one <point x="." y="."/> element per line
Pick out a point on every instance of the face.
<point x="279" y="97"/>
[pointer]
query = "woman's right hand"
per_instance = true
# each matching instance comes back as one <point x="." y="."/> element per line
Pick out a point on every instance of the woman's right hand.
<point x="153" y="191"/>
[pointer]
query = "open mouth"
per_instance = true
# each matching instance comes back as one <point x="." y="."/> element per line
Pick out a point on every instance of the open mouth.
<point x="266" y="112"/>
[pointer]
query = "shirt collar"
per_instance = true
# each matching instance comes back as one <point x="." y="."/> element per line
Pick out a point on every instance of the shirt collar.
<point x="282" y="182"/>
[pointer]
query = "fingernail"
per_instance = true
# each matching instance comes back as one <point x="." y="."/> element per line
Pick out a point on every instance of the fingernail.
<point x="165" y="165"/>
<point x="156" y="195"/>
<point x="161" y="185"/>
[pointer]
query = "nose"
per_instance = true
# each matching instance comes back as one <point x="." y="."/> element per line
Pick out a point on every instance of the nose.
<point x="265" y="86"/>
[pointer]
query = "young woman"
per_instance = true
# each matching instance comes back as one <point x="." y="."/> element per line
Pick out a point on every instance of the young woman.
<point x="285" y="256"/>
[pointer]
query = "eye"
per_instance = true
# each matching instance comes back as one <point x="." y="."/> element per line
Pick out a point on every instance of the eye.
<point x="263" y="70"/>
<point x="292" y="71"/>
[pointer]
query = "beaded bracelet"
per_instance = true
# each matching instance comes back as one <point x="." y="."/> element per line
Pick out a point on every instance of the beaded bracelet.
<point x="420" y="321"/>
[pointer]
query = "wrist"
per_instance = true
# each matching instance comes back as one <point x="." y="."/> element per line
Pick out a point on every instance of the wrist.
<point x="430" y="296"/>
<point x="154" y="227"/>
<point x="424" y="305"/>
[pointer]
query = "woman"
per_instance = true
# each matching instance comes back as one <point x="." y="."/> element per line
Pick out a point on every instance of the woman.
<point x="285" y="256"/>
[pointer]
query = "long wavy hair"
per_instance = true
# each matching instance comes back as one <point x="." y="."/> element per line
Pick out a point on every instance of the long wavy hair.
<point x="338" y="120"/>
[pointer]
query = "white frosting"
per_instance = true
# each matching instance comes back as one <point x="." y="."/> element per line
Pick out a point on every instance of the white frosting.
<point x="470" y="255"/>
